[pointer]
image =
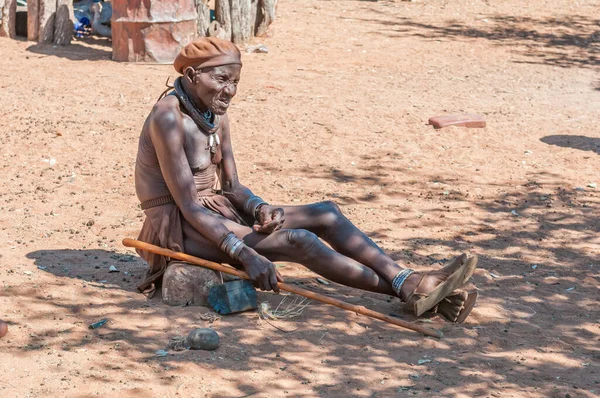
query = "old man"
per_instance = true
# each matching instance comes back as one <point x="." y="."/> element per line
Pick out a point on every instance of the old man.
<point x="188" y="186"/>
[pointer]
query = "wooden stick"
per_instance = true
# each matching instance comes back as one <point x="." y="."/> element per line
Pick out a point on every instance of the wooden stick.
<point x="359" y="309"/>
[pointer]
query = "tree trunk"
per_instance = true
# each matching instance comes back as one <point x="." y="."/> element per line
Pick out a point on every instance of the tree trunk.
<point x="63" y="24"/>
<point x="47" y="12"/>
<point x="33" y="19"/>
<point x="253" y="16"/>
<point x="203" y="17"/>
<point x="8" y="17"/>
<point x="223" y="16"/>
<point x="266" y="16"/>
<point x="240" y="21"/>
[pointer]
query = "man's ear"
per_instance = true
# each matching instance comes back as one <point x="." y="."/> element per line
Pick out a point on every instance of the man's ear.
<point x="190" y="74"/>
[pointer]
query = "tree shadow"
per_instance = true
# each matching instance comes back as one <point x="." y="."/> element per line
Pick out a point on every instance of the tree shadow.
<point x="321" y="349"/>
<point x="580" y="142"/>
<point x="308" y="349"/>
<point x="92" y="48"/>
<point x="563" y="41"/>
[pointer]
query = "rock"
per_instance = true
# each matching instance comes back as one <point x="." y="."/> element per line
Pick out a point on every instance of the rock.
<point x="3" y="328"/>
<point x="202" y="339"/>
<point x="63" y="22"/>
<point x="184" y="283"/>
<point x="112" y="268"/>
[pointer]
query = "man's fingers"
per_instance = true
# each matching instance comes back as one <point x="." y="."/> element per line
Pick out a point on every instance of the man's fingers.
<point x="273" y="280"/>
<point x="279" y="277"/>
<point x="268" y="228"/>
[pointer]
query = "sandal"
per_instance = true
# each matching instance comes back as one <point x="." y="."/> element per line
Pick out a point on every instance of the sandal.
<point x="458" y="271"/>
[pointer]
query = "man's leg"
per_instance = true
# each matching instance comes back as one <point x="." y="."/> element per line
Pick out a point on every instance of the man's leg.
<point x="327" y="221"/>
<point x="304" y="247"/>
<point x="299" y="246"/>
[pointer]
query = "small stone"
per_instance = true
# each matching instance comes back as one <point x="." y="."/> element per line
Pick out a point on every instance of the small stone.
<point x="422" y="361"/>
<point x="202" y="339"/>
<point x="322" y="281"/>
<point x="592" y="185"/>
<point x="112" y="268"/>
<point x="162" y="353"/>
<point x="514" y="213"/>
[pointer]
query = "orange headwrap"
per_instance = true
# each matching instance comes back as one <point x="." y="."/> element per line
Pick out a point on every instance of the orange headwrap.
<point x="206" y="52"/>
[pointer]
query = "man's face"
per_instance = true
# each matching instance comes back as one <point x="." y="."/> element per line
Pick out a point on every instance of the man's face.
<point x="215" y="87"/>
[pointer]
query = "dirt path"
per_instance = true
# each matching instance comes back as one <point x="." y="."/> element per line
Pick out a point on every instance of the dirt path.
<point x="350" y="84"/>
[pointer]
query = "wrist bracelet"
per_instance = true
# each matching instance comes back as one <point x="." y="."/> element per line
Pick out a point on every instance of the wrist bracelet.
<point x="252" y="203"/>
<point x="257" y="211"/>
<point x="232" y="245"/>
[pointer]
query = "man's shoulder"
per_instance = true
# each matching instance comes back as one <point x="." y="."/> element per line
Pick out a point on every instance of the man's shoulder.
<point x="167" y="108"/>
<point x="166" y="115"/>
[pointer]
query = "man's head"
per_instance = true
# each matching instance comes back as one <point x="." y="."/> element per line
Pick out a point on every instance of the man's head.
<point x="211" y="70"/>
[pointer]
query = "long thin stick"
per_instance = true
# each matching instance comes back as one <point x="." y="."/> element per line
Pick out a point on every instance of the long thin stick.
<point x="359" y="309"/>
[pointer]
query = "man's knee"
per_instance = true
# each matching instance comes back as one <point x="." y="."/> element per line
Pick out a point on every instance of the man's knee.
<point x="330" y="213"/>
<point x="302" y="240"/>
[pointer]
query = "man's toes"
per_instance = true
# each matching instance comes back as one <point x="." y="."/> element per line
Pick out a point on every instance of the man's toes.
<point x="457" y="299"/>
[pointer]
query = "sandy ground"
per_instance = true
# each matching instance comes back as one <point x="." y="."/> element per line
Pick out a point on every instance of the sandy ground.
<point x="336" y="110"/>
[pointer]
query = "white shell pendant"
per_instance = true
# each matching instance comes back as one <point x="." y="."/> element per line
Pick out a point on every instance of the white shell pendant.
<point x="213" y="142"/>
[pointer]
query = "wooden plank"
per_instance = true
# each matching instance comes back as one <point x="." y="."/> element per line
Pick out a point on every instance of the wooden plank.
<point x="203" y="17"/>
<point x="223" y="16"/>
<point x="33" y="19"/>
<point x="470" y="120"/>
<point x="47" y="12"/>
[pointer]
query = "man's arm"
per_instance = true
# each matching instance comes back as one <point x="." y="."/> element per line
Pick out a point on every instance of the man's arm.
<point x="168" y="136"/>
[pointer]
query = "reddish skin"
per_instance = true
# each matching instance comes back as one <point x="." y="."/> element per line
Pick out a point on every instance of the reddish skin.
<point x="282" y="233"/>
<point x="3" y="328"/>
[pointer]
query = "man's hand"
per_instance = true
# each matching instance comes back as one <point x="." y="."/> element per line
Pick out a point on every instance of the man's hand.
<point x="270" y="219"/>
<point x="261" y="271"/>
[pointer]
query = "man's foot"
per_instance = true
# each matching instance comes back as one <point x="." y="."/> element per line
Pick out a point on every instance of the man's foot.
<point x="423" y="291"/>
<point x="457" y="306"/>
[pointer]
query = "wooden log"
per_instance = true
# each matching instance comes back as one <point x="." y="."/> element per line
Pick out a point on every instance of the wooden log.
<point x="240" y="21"/>
<point x="203" y="17"/>
<point x="8" y="16"/>
<point x="223" y="16"/>
<point x="359" y="309"/>
<point x="63" y="22"/>
<point x="47" y="12"/>
<point x="266" y="16"/>
<point x="33" y="19"/>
